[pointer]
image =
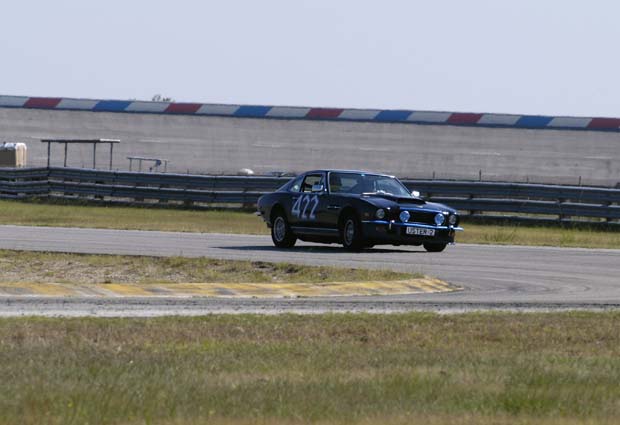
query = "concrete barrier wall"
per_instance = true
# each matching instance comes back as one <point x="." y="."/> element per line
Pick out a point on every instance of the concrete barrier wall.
<point x="307" y="113"/>
<point x="216" y="144"/>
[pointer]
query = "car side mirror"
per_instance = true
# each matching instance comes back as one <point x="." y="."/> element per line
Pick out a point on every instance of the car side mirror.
<point x="317" y="188"/>
<point x="415" y="193"/>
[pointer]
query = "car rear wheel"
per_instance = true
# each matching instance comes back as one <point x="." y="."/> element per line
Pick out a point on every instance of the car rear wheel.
<point x="351" y="234"/>
<point x="434" y="247"/>
<point x="281" y="233"/>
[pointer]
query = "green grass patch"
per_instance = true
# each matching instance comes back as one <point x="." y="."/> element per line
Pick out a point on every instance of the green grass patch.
<point x="499" y="368"/>
<point x="230" y="221"/>
<point x="41" y="267"/>
<point x="130" y="218"/>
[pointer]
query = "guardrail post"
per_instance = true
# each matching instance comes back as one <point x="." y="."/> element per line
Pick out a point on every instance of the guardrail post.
<point x="607" y="219"/>
<point x="163" y="186"/>
<point x="561" y="217"/>
<point x="470" y="198"/>
<point x="47" y="179"/>
<point x="246" y="205"/>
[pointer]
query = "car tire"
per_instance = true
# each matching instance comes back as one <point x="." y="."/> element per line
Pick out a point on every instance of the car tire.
<point x="281" y="233"/>
<point x="351" y="233"/>
<point x="434" y="247"/>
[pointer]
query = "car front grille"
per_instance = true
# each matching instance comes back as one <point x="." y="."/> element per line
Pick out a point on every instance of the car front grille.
<point x="425" y="217"/>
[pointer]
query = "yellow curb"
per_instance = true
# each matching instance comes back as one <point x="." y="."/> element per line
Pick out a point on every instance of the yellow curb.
<point x="49" y="289"/>
<point x="229" y="290"/>
<point x="125" y="290"/>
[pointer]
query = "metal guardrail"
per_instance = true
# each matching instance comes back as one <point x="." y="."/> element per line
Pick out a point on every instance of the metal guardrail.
<point x="516" y="201"/>
<point x="19" y="183"/>
<point x="534" y="202"/>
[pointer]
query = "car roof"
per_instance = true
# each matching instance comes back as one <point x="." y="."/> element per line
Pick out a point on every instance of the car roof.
<point x="345" y="171"/>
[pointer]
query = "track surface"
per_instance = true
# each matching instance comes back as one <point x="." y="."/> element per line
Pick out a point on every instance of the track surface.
<point x="494" y="277"/>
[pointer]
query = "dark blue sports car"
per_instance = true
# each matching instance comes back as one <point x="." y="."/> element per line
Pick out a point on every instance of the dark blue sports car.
<point x="357" y="209"/>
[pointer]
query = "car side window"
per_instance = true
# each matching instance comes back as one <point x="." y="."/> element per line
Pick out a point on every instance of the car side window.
<point x="296" y="185"/>
<point x="310" y="181"/>
<point x="344" y="182"/>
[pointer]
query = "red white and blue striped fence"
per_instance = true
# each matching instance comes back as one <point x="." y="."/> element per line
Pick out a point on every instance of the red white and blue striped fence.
<point x="310" y="113"/>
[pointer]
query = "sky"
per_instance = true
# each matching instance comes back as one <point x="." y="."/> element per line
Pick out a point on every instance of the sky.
<point x="548" y="57"/>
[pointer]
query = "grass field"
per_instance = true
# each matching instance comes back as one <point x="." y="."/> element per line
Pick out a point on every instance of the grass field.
<point x="501" y="368"/>
<point x="24" y="266"/>
<point x="39" y="214"/>
<point x="110" y="217"/>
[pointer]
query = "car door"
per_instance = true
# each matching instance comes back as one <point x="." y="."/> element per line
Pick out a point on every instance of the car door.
<point x="338" y="196"/>
<point x="309" y="204"/>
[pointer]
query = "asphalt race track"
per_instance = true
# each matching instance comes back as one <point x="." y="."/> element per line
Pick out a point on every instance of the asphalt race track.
<point x="493" y="277"/>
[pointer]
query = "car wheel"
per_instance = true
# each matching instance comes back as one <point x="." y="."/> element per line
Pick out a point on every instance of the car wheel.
<point x="434" y="247"/>
<point x="351" y="234"/>
<point x="281" y="233"/>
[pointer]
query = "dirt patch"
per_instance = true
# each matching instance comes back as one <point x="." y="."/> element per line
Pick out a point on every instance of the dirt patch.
<point x="20" y="266"/>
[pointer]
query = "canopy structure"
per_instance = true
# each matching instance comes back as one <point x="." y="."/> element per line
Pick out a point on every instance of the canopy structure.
<point x="68" y="142"/>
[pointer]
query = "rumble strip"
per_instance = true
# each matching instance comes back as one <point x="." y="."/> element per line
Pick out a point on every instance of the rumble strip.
<point x="228" y="290"/>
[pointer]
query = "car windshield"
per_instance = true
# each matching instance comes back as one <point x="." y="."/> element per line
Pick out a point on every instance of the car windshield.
<point x="359" y="183"/>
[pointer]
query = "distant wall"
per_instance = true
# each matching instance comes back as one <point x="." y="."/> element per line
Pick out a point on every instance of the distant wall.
<point x="225" y="144"/>
<point x="307" y="113"/>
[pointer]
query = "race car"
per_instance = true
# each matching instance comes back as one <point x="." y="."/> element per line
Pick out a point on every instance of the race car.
<point x="357" y="209"/>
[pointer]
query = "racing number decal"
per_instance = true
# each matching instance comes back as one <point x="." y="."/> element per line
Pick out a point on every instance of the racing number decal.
<point x="301" y="205"/>
<point x="315" y="203"/>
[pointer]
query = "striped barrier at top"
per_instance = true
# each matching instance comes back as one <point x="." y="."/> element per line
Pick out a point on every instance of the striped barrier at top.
<point x="311" y="113"/>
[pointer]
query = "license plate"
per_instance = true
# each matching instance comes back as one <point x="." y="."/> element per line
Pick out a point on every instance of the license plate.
<point x="420" y="232"/>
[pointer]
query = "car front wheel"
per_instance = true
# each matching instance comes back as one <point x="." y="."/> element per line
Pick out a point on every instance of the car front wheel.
<point x="434" y="247"/>
<point x="281" y="233"/>
<point x="351" y="234"/>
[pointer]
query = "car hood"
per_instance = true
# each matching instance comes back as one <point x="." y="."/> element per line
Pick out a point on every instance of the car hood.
<point x="390" y="201"/>
<point x="393" y="198"/>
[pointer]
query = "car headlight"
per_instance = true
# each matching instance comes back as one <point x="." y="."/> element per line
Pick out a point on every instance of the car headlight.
<point x="439" y="219"/>
<point x="404" y="216"/>
<point x="452" y="219"/>
<point x="380" y="214"/>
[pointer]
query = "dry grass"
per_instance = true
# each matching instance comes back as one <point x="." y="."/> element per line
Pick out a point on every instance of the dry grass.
<point x="23" y="266"/>
<point x="229" y="221"/>
<point x="560" y="368"/>
<point x="582" y="237"/>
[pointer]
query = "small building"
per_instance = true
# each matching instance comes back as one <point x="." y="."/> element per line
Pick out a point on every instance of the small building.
<point x="13" y="155"/>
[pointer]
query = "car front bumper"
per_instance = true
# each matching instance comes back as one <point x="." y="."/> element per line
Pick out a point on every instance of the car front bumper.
<point x="382" y="231"/>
